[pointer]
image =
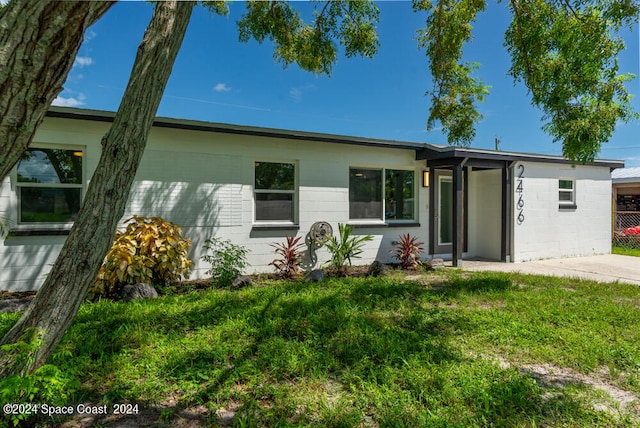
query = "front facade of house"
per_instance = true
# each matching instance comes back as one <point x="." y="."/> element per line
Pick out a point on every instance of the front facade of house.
<point x="255" y="186"/>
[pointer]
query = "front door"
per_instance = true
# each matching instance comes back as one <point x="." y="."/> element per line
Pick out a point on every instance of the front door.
<point x="443" y="213"/>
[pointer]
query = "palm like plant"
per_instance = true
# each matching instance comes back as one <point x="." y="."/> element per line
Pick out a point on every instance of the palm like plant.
<point x="346" y="247"/>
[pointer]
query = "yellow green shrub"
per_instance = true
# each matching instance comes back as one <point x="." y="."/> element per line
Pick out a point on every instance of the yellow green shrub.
<point x="150" y="250"/>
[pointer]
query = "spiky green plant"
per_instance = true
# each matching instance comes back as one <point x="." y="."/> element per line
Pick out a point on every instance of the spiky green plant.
<point x="345" y="248"/>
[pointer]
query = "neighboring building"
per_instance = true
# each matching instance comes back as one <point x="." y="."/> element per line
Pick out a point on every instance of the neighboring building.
<point x="626" y="189"/>
<point x="626" y="201"/>
<point x="256" y="186"/>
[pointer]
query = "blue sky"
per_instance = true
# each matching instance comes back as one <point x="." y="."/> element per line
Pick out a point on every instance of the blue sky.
<point x="218" y="79"/>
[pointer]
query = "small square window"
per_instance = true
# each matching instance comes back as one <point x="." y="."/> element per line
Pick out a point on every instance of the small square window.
<point x="566" y="192"/>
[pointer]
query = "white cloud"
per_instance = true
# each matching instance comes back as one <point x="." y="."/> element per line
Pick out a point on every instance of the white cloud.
<point x="69" y="101"/>
<point x="82" y="61"/>
<point x="88" y="35"/>
<point x="296" y="93"/>
<point x="221" y="87"/>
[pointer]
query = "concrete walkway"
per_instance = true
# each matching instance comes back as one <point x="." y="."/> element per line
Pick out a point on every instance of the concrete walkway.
<point x="603" y="268"/>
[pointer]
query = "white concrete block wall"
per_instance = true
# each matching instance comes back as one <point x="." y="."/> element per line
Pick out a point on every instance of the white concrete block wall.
<point x="204" y="182"/>
<point x="552" y="232"/>
<point x="485" y="214"/>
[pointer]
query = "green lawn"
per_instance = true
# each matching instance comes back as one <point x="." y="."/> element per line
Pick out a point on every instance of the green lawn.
<point x="626" y="251"/>
<point x="437" y="350"/>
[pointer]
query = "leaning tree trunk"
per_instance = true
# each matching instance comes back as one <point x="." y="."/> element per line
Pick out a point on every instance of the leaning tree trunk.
<point x="39" y="41"/>
<point x="57" y="302"/>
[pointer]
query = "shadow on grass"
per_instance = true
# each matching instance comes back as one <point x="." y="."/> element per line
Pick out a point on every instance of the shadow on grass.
<point x="392" y="352"/>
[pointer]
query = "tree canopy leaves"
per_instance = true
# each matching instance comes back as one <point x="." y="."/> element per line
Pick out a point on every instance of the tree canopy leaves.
<point x="313" y="46"/>
<point x="454" y="91"/>
<point x="564" y="51"/>
<point x="566" y="54"/>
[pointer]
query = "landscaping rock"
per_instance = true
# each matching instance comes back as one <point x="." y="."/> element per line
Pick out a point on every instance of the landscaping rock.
<point x="377" y="268"/>
<point x="141" y="290"/>
<point x="434" y="264"/>
<point x="14" y="305"/>
<point x="315" y="275"/>
<point x="241" y="281"/>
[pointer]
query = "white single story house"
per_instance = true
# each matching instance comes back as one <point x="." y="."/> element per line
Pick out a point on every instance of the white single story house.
<point x="255" y="186"/>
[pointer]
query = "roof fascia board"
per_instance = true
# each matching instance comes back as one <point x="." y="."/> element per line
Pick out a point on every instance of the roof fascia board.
<point x="449" y="154"/>
<point x="423" y="151"/>
<point x="162" y="122"/>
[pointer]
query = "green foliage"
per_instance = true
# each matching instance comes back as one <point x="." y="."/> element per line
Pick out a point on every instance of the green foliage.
<point x="5" y="225"/>
<point x="219" y="7"/>
<point x="408" y="251"/>
<point x="227" y="261"/>
<point x="567" y="55"/>
<point x="564" y="52"/>
<point x="454" y="91"/>
<point x="370" y="351"/>
<point x="345" y="247"/>
<point x="290" y="253"/>
<point x="626" y="250"/>
<point x="313" y="46"/>
<point x="149" y="250"/>
<point x="47" y="384"/>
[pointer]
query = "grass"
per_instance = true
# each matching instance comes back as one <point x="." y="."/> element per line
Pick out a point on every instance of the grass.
<point x="441" y="350"/>
<point x="626" y="251"/>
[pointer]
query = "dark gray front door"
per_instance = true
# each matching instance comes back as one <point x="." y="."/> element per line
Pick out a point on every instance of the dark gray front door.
<point x="443" y="212"/>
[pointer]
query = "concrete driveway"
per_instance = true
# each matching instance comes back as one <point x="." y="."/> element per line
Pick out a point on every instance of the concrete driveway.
<point x="603" y="268"/>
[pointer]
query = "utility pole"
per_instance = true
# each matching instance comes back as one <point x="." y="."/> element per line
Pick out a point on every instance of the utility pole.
<point x="497" y="141"/>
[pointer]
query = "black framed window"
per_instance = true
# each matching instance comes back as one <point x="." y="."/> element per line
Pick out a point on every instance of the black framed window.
<point x="275" y="191"/>
<point x="381" y="194"/>
<point x="399" y="199"/>
<point x="49" y="185"/>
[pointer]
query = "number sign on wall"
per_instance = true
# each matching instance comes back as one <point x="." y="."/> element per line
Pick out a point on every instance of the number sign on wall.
<point x="519" y="190"/>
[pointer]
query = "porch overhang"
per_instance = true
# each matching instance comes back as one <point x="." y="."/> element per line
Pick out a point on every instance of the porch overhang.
<point x="437" y="155"/>
<point x="456" y="159"/>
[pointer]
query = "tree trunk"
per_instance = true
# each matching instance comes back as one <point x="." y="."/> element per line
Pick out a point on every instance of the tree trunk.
<point x="56" y="304"/>
<point x="39" y="41"/>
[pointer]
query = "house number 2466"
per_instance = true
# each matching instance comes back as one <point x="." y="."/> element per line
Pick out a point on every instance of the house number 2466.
<point x="519" y="189"/>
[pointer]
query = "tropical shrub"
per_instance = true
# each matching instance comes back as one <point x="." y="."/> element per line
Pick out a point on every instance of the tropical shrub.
<point x="227" y="261"/>
<point x="345" y="248"/>
<point x="150" y="250"/>
<point x="408" y="251"/>
<point x="290" y="253"/>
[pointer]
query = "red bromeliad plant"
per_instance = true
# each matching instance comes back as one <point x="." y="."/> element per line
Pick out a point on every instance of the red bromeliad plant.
<point x="291" y="255"/>
<point x="408" y="250"/>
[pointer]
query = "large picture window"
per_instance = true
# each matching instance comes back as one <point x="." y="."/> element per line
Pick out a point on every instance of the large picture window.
<point x="275" y="191"/>
<point x="399" y="195"/>
<point x="365" y="193"/>
<point x="49" y="184"/>
<point x="381" y="194"/>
